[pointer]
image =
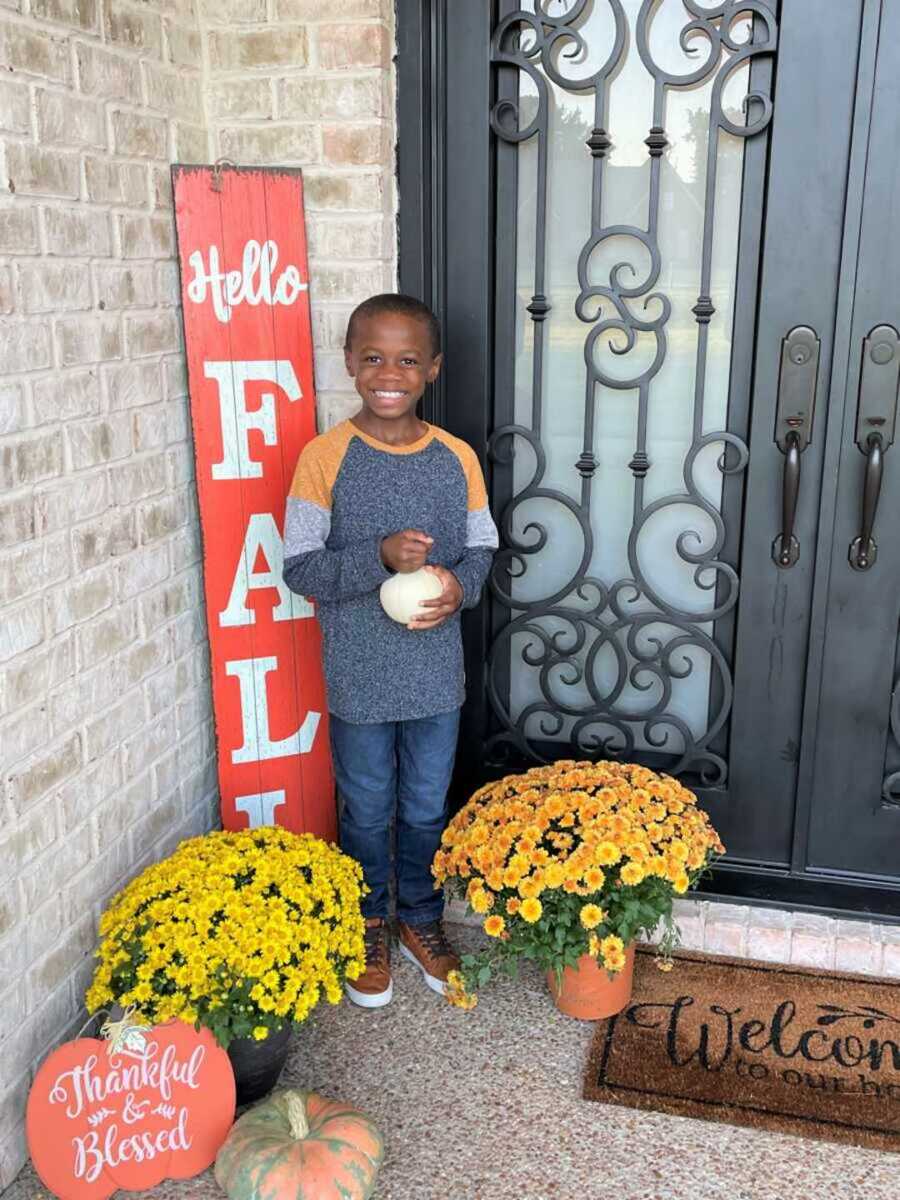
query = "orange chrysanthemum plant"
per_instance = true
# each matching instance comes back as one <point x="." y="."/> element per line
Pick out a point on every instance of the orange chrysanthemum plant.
<point x="571" y="859"/>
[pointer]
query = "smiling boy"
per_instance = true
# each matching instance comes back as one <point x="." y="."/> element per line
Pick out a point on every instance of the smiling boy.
<point x="385" y="492"/>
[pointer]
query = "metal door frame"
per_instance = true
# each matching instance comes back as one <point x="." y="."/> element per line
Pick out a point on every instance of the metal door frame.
<point x="434" y="141"/>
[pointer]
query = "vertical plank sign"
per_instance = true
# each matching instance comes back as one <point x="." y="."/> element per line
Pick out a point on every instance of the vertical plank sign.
<point x="245" y="295"/>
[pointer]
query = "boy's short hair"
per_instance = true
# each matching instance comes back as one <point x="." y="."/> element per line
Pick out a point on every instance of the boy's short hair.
<point x="396" y="302"/>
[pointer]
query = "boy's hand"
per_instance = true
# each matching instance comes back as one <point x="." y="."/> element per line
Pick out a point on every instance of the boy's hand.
<point x="443" y="606"/>
<point x="406" y="551"/>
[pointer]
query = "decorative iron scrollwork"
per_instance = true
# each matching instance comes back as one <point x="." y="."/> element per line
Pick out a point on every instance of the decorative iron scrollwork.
<point x="564" y="634"/>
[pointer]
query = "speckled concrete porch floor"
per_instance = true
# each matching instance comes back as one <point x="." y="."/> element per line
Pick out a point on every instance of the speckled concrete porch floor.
<point x="486" y="1106"/>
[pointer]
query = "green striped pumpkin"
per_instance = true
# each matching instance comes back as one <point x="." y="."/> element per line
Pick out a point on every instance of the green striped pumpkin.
<point x="296" y="1145"/>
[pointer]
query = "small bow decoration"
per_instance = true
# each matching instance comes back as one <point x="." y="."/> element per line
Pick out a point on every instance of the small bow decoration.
<point x="127" y="1034"/>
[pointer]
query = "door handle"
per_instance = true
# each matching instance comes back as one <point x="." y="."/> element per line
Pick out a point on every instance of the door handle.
<point x="864" y="549"/>
<point x="793" y="429"/>
<point x="875" y="420"/>
<point x="786" y="545"/>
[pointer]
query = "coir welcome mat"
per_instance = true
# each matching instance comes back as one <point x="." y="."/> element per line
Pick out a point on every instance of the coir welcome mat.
<point x="752" y="1043"/>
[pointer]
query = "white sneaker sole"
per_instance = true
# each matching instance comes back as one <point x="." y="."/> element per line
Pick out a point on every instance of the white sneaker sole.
<point x="436" y="985"/>
<point x="370" y="999"/>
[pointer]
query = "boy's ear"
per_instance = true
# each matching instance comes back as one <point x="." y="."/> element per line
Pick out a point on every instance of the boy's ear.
<point x="348" y="362"/>
<point x="435" y="369"/>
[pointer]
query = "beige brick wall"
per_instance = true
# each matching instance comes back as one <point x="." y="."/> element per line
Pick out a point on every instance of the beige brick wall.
<point x="106" y="738"/>
<point x="106" y="733"/>
<point x="310" y="83"/>
<point x="105" y="729"/>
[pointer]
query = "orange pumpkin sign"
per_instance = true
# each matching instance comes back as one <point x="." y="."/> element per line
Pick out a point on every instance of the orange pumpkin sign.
<point x="101" y="1118"/>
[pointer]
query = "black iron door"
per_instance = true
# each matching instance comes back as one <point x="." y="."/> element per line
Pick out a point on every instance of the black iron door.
<point x="852" y="789"/>
<point x="651" y="227"/>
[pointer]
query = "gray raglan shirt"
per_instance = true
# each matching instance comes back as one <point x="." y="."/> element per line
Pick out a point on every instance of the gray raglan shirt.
<point x="349" y="492"/>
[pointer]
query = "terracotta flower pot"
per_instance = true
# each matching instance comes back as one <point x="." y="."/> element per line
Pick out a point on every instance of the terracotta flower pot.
<point x="588" y="992"/>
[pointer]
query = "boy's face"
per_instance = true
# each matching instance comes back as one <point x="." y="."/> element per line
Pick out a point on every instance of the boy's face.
<point x="391" y="361"/>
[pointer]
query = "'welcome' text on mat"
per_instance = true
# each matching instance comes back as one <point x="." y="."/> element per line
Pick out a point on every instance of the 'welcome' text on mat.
<point x="785" y="1048"/>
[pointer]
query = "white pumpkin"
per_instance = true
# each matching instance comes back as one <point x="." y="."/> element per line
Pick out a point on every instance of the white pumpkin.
<point x="402" y="594"/>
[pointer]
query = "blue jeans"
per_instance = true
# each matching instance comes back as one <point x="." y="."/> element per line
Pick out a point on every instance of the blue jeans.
<point x="402" y="768"/>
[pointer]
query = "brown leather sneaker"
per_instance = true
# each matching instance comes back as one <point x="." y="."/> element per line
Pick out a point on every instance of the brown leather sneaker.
<point x="374" y="988"/>
<point x="426" y="946"/>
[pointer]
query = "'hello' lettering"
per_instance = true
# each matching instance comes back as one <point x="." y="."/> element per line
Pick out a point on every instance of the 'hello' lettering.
<point x="254" y="283"/>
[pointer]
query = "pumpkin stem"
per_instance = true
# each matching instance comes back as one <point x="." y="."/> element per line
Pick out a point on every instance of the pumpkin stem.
<point x="296" y="1110"/>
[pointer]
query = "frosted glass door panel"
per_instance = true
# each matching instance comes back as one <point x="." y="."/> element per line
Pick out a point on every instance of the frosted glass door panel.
<point x="629" y="128"/>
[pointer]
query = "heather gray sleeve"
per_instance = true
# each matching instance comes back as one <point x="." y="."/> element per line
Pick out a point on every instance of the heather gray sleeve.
<point x="311" y="569"/>
<point x="481" y="543"/>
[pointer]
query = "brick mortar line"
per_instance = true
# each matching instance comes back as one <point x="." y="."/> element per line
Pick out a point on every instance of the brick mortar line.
<point x="212" y="146"/>
<point x="281" y="71"/>
<point x="82" y="150"/>
<point x="274" y="24"/>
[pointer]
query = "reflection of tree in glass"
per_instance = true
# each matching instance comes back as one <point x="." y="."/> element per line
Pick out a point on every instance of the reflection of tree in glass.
<point x="571" y="127"/>
<point x="694" y="145"/>
<point x="695" y="139"/>
<point x="568" y="195"/>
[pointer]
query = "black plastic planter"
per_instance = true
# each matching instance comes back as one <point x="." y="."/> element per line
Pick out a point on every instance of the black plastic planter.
<point x="257" y="1065"/>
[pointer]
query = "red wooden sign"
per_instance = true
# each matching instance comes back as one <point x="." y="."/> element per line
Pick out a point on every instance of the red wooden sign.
<point x="245" y="292"/>
<point x="159" y="1108"/>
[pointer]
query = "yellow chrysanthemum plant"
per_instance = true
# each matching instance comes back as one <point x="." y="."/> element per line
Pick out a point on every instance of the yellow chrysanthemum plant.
<point x="241" y="932"/>
<point x="571" y="859"/>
